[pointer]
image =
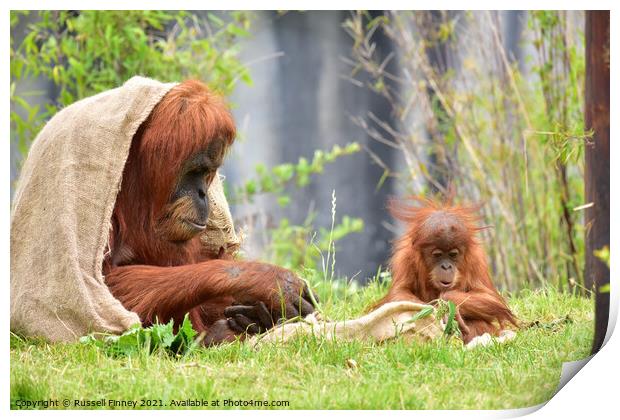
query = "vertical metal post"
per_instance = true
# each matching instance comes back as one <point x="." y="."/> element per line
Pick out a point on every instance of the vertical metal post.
<point x="597" y="164"/>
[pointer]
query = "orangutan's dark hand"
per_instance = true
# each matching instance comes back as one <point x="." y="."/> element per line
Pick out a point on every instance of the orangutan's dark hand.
<point x="250" y="319"/>
<point x="257" y="318"/>
<point x="270" y="294"/>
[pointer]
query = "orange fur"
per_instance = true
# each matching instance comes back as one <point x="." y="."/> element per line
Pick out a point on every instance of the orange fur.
<point x="479" y="303"/>
<point x="186" y="120"/>
<point x="161" y="279"/>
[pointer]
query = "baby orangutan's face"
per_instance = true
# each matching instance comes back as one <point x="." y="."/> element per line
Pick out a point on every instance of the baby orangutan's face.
<point x="443" y="266"/>
<point x="443" y="249"/>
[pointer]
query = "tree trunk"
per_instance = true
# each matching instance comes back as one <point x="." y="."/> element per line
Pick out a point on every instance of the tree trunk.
<point x="597" y="164"/>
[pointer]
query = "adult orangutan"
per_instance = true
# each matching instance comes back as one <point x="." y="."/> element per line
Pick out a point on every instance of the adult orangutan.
<point x="440" y="257"/>
<point x="156" y="265"/>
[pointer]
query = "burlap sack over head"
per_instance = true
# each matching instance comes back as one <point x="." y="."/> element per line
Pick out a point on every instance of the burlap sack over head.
<point x="60" y="218"/>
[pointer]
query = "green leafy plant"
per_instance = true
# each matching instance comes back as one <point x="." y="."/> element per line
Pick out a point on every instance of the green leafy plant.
<point x="299" y="245"/>
<point x="147" y="340"/>
<point x="603" y="255"/>
<point x="294" y="246"/>
<point x="452" y="327"/>
<point x="424" y="313"/>
<point x="86" y="52"/>
<point x="446" y="310"/>
<point x="276" y="179"/>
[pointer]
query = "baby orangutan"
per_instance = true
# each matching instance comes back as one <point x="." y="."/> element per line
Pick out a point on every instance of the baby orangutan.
<point x="439" y="257"/>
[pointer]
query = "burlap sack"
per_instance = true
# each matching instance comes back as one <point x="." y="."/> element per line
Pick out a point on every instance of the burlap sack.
<point x="60" y="219"/>
<point x="386" y="322"/>
<point x="394" y="319"/>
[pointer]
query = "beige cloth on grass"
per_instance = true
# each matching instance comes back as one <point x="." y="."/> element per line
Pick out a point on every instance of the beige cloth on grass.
<point x="387" y="322"/>
<point x="60" y="218"/>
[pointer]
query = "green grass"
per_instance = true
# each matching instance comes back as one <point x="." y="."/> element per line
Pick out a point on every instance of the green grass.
<point x="314" y="374"/>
